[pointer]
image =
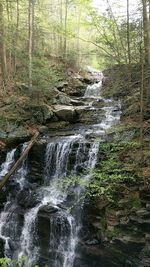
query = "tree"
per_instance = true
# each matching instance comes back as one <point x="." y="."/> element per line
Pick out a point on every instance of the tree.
<point x="2" y="46"/>
<point x="146" y="28"/>
<point x="31" y="26"/>
<point x="65" y="28"/>
<point x="128" y="33"/>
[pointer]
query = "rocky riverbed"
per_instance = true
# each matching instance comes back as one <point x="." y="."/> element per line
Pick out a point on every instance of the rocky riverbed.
<point x="106" y="234"/>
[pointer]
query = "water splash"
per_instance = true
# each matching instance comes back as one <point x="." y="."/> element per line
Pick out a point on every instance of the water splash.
<point x="94" y="91"/>
<point x="8" y="163"/>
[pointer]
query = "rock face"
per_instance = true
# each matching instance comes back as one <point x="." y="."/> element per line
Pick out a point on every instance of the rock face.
<point x="76" y="87"/>
<point x="65" y="113"/>
<point x="2" y="243"/>
<point x="119" y="236"/>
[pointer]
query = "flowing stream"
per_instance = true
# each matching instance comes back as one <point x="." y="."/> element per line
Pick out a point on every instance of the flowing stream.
<point x="64" y="156"/>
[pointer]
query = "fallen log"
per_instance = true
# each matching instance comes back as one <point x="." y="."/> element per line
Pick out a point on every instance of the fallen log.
<point x="18" y="162"/>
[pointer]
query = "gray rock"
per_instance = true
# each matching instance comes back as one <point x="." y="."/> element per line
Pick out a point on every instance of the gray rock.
<point x="92" y="242"/>
<point x="143" y="213"/>
<point x="62" y="84"/>
<point x="65" y="113"/>
<point x="47" y="210"/>
<point x="77" y="102"/>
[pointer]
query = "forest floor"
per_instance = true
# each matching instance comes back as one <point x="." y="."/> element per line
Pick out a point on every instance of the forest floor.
<point x="126" y="86"/>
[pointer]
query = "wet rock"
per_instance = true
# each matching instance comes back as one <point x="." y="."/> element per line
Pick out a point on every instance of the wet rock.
<point x="99" y="103"/>
<point x="2" y="244"/>
<point x="27" y="199"/>
<point x="47" y="210"/>
<point x="92" y="242"/>
<point x="3" y="198"/>
<point x="36" y="163"/>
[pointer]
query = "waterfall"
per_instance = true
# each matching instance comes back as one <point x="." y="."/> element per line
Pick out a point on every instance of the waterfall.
<point x="4" y="216"/>
<point x="8" y="163"/>
<point x="94" y="91"/>
<point x="64" y="157"/>
<point x="7" y="216"/>
<point x="27" y="249"/>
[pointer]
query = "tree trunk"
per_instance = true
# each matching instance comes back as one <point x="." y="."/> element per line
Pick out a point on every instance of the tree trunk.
<point x="16" y="165"/>
<point x="128" y="32"/>
<point x="124" y="51"/>
<point x="33" y="23"/>
<point x="142" y="110"/>
<point x="31" y="12"/>
<point x="16" y="34"/>
<point x="65" y="39"/>
<point x="3" y="47"/>
<point x="78" y="35"/>
<point x="146" y="28"/>
<point x="61" y="24"/>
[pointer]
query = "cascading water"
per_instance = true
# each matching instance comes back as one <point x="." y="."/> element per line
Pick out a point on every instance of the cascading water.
<point x="74" y="155"/>
<point x="4" y="216"/>
<point x="8" y="163"/>
<point x="94" y="90"/>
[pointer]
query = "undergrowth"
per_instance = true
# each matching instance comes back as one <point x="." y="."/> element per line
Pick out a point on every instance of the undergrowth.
<point x="111" y="174"/>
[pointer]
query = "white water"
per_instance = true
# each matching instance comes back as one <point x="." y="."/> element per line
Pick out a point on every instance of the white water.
<point x="94" y="91"/>
<point x="21" y="173"/>
<point x="4" y="216"/>
<point x="8" y="163"/>
<point x="70" y="155"/>
<point x="10" y="207"/>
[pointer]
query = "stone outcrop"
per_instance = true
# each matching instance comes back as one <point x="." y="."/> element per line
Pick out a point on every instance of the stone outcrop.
<point x="118" y="236"/>
<point x="65" y="113"/>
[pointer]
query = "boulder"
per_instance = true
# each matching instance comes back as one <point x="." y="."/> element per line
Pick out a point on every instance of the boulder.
<point x="61" y="85"/>
<point x="47" y="210"/>
<point x="65" y="113"/>
<point x="27" y="199"/>
<point x="40" y="113"/>
<point x="76" y="102"/>
<point x="75" y="88"/>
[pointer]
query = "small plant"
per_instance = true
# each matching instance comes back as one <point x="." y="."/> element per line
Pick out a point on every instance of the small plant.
<point x="6" y="262"/>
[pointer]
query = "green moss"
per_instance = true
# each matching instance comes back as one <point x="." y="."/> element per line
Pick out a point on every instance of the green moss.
<point x="111" y="172"/>
<point x="115" y="232"/>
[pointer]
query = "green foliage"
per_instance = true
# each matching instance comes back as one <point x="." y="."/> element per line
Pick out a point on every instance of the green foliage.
<point x="108" y="177"/>
<point x="45" y="76"/>
<point x="111" y="173"/>
<point x="6" y="262"/>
